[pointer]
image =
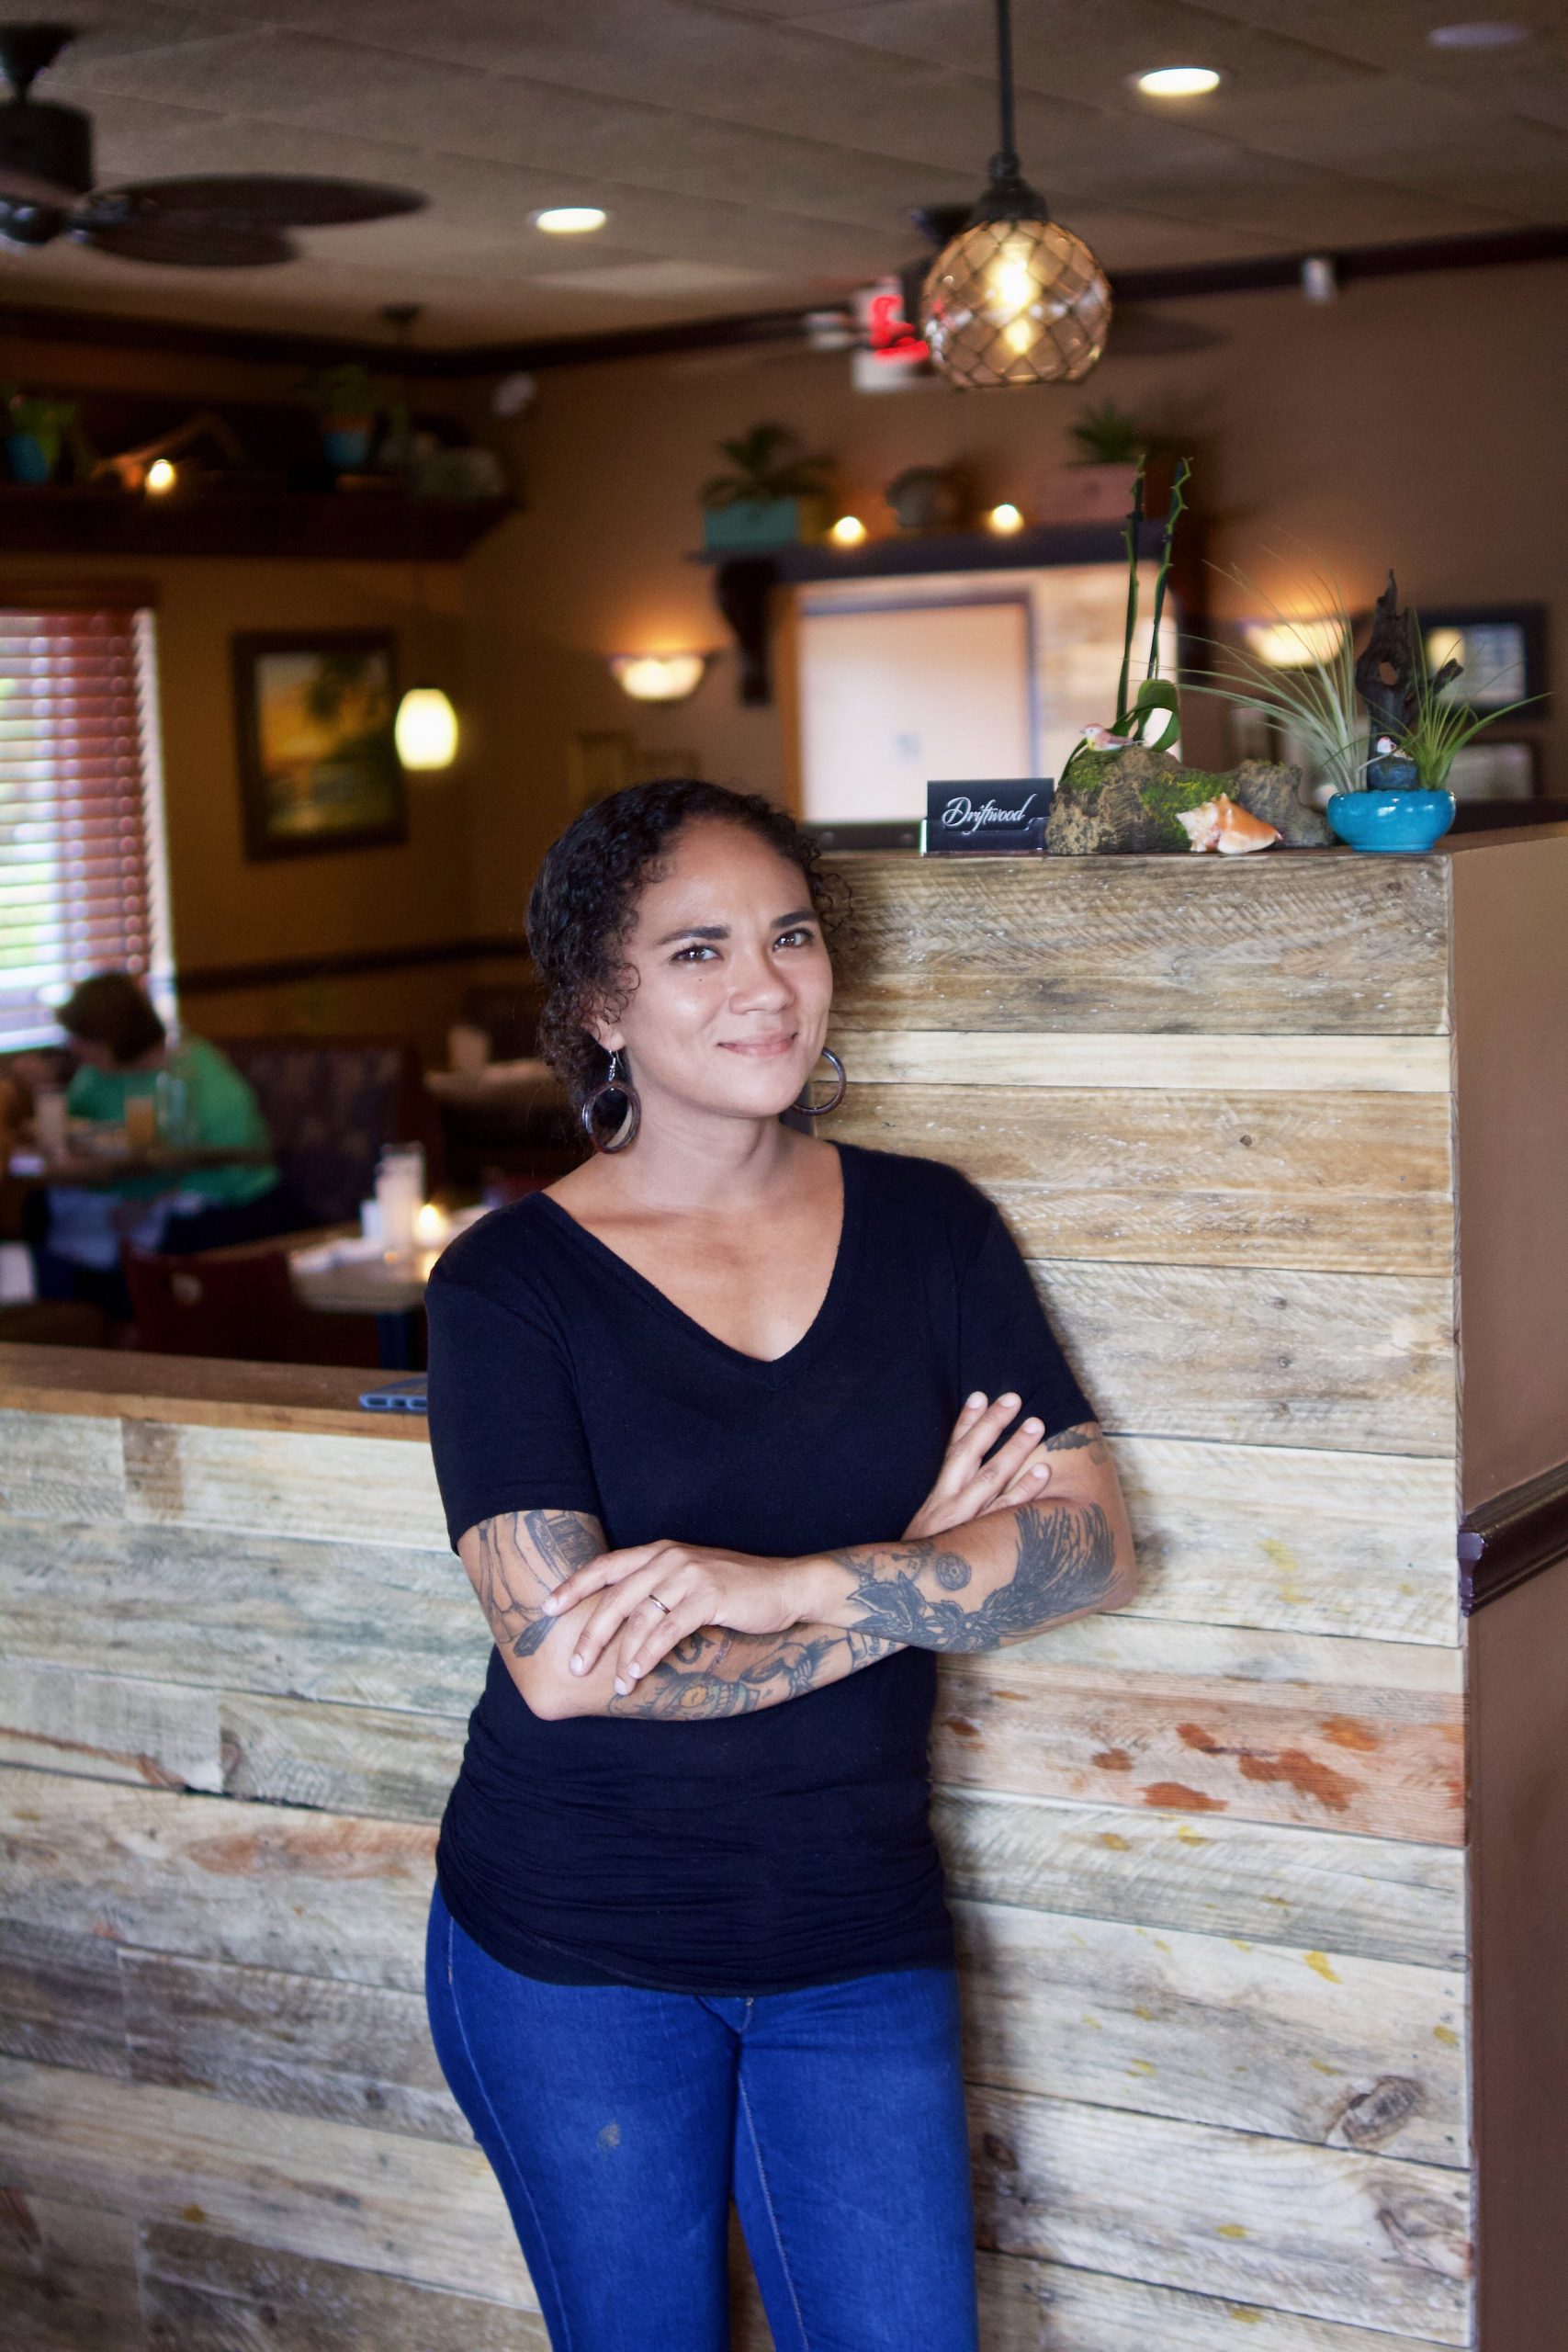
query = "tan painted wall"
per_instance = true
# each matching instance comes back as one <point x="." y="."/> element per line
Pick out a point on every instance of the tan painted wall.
<point x="1417" y="420"/>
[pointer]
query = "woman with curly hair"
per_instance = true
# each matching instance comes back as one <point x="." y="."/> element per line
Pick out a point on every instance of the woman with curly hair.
<point x="736" y="1429"/>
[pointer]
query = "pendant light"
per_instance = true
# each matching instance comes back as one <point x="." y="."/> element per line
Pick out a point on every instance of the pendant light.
<point x="1014" y="298"/>
<point x="424" y="731"/>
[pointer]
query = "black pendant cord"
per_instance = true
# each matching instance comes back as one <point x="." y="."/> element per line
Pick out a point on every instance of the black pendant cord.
<point x="1004" y="163"/>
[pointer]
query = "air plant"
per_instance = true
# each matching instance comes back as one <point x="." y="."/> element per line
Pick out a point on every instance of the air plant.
<point x="1438" y="726"/>
<point x="1316" y="697"/>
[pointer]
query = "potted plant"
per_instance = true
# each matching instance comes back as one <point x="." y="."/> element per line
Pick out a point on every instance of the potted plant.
<point x="1097" y="482"/>
<point x="350" y="399"/>
<point x="771" y="497"/>
<point x="39" y="430"/>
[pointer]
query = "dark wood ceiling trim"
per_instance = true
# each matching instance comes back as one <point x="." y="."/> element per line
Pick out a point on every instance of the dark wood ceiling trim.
<point x="1514" y="1536"/>
<point x="1490" y="249"/>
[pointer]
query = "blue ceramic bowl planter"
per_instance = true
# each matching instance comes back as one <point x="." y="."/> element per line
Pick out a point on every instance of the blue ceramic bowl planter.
<point x="1382" y="819"/>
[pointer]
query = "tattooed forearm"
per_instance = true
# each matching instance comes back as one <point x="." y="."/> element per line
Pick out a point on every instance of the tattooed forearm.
<point x="714" y="1673"/>
<point x="517" y="1559"/>
<point x="1063" y="1559"/>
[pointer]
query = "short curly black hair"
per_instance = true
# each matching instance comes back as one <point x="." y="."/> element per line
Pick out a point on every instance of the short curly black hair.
<point x="583" y="904"/>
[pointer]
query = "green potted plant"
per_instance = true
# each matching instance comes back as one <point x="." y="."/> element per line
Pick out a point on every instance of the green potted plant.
<point x="771" y="497"/>
<point x="39" y="431"/>
<point x="1096" y="483"/>
<point x="350" y="399"/>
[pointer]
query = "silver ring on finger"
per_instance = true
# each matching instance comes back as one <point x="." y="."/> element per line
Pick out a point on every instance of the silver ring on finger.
<point x="660" y="1604"/>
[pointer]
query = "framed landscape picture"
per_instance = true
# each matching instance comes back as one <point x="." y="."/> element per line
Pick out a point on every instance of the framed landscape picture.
<point x="319" y="769"/>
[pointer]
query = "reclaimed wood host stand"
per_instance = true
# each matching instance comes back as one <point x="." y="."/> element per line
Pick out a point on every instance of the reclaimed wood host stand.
<point x="1241" y="2075"/>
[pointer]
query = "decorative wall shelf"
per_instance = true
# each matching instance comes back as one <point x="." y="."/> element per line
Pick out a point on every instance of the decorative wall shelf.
<point x="357" y="526"/>
<point x="899" y="555"/>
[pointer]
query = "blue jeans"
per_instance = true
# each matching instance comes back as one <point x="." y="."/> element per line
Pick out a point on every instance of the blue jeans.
<point x="620" y="2122"/>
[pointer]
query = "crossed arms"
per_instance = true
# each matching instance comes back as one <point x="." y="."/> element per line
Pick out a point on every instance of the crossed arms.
<point x="578" y="1634"/>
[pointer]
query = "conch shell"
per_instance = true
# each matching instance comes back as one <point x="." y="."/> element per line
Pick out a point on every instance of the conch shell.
<point x="1221" y="824"/>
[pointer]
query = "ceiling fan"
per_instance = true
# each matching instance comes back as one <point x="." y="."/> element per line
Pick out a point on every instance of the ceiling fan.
<point x="220" y="221"/>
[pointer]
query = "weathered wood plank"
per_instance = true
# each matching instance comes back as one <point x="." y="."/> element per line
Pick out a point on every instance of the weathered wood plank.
<point x="1326" y="2232"/>
<point x="108" y="1728"/>
<point x="61" y="2003"/>
<point x="1115" y="1637"/>
<point x="1047" y="2307"/>
<point x="67" y="2276"/>
<point x="1302" y="2045"/>
<point x="1318" y="1890"/>
<point x="220" y="1392"/>
<point x="1388" y="1763"/>
<point x="291" y="2044"/>
<point x="340" y="1759"/>
<point x="421" y="2209"/>
<point x="59" y="1466"/>
<point x="203" y="2292"/>
<point x="1310" y="942"/>
<point x="1167" y="1061"/>
<point x="1259" y="1357"/>
<point x="1333" y="1542"/>
<point x="311" y="1892"/>
<point x="1347" y="1182"/>
<point x="283" y="1483"/>
<point x="365" y="1623"/>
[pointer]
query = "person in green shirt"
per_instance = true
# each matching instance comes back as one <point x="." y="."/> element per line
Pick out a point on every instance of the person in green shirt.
<point x="123" y="1053"/>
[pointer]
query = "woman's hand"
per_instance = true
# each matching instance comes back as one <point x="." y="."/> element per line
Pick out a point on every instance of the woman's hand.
<point x="966" y="1485"/>
<point x="699" y="1586"/>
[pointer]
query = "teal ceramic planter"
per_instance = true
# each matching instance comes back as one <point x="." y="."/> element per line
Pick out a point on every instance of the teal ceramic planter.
<point x="347" y="446"/>
<point x="752" y="524"/>
<point x="1410" y="821"/>
<point x="29" y="460"/>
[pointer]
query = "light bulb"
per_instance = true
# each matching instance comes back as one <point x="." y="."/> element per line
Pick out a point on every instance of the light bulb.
<point x="1178" y="81"/>
<point x="159" y="478"/>
<point x="1004" y="519"/>
<point x="568" y="219"/>
<point x="658" y="677"/>
<point x="1015" y="301"/>
<point x="429" y="1225"/>
<point x="849" y="531"/>
<point x="425" y="730"/>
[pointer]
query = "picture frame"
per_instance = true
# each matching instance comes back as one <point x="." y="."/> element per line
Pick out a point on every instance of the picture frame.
<point x="1502" y="648"/>
<point x="318" y="766"/>
<point x="1496" y="768"/>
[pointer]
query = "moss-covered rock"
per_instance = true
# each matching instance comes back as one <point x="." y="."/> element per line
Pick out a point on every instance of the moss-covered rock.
<point x="1131" y="802"/>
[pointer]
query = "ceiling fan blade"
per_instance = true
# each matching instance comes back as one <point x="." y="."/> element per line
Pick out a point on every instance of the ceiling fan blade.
<point x="187" y="244"/>
<point x="266" y="199"/>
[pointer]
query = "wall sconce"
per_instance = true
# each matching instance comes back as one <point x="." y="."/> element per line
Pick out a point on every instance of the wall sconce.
<point x="1293" y="645"/>
<point x="658" y="677"/>
<point x="1004" y="520"/>
<point x="425" y="730"/>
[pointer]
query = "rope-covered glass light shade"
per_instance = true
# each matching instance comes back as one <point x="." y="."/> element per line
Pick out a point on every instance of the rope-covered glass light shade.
<point x="1014" y="298"/>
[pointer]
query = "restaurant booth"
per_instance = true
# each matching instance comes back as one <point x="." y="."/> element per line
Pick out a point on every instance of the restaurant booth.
<point x="1262" y="1880"/>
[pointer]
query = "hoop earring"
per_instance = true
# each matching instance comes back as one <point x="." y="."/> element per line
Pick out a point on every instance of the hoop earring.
<point x="616" y="1082"/>
<point x="819" y="1109"/>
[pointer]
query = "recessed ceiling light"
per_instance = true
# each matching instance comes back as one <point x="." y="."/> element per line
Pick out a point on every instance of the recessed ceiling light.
<point x="568" y="219"/>
<point x="1486" y="32"/>
<point x="1178" y="81"/>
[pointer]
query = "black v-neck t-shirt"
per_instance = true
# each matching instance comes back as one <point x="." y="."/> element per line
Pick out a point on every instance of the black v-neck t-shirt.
<point x="759" y="1852"/>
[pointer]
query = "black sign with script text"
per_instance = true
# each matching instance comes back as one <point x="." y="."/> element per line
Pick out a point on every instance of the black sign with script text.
<point x="1010" y="815"/>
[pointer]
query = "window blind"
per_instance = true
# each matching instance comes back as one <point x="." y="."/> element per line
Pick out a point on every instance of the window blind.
<point x="80" y="885"/>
